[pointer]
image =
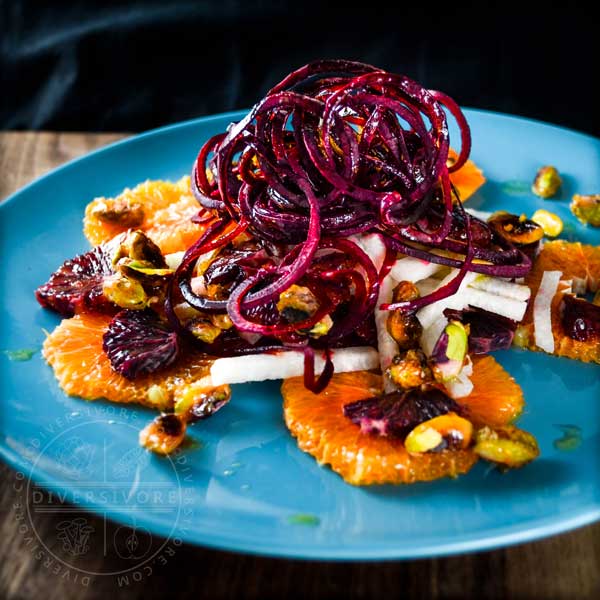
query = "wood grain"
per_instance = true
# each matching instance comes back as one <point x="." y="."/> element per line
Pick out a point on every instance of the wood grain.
<point x="562" y="567"/>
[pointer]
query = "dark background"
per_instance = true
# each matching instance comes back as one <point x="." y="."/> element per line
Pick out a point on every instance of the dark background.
<point x="101" y="66"/>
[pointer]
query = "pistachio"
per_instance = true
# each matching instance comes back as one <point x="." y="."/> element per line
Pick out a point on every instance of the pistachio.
<point x="405" y="291"/>
<point x="222" y="321"/>
<point x="118" y="211"/>
<point x="449" y="354"/>
<point x="446" y="431"/>
<point x="164" y="434"/>
<point x="409" y="369"/>
<point x="521" y="338"/>
<point x="405" y="328"/>
<point x="297" y="303"/>
<point x="547" y="182"/>
<point x="551" y="223"/>
<point x="515" y="229"/>
<point x="507" y="446"/>
<point x="157" y="396"/>
<point x="322" y="327"/>
<point x="199" y="401"/>
<point x="587" y="208"/>
<point x="137" y="246"/>
<point x="204" y="330"/>
<point x="125" y="292"/>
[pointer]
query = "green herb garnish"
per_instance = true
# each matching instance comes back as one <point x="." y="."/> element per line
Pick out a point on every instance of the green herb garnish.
<point x="304" y="519"/>
<point x="20" y="355"/>
<point x="570" y="440"/>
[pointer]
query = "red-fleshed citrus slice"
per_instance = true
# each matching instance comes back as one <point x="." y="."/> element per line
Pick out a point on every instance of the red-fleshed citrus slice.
<point x="74" y="351"/>
<point x="167" y="211"/>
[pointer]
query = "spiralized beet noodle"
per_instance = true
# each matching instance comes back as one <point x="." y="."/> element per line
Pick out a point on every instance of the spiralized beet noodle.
<point x="337" y="148"/>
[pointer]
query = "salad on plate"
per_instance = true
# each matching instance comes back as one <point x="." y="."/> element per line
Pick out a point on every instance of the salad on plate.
<point x="323" y="240"/>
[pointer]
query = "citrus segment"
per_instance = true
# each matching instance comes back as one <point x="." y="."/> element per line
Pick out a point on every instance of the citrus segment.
<point x="322" y="430"/>
<point x="166" y="212"/>
<point x="580" y="266"/>
<point x="74" y="351"/>
<point x="496" y="399"/>
<point x="468" y="179"/>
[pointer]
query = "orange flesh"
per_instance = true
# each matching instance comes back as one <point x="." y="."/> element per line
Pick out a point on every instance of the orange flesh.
<point x="468" y="179"/>
<point x="580" y="264"/>
<point x="168" y="208"/>
<point x="322" y="430"/>
<point x="74" y="351"/>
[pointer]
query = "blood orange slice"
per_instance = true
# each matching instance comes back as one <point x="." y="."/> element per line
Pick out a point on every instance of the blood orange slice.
<point x="74" y="351"/>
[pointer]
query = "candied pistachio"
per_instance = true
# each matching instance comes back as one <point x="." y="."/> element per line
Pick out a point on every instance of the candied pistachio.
<point x="157" y="396"/>
<point x="515" y="229"/>
<point x="405" y="291"/>
<point x="118" y="211"/>
<point x="521" y="338"/>
<point x="204" y="330"/>
<point x="137" y="246"/>
<point x="297" y="303"/>
<point x="551" y="223"/>
<point x="587" y="208"/>
<point x="409" y="369"/>
<point x="125" y="292"/>
<point x="164" y="434"/>
<point x="507" y="446"/>
<point x="199" y="401"/>
<point x="222" y="321"/>
<point x="322" y="327"/>
<point x="547" y="182"/>
<point x="446" y="431"/>
<point x="405" y="328"/>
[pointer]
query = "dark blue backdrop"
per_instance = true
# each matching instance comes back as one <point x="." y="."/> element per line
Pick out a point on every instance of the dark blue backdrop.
<point x="134" y="65"/>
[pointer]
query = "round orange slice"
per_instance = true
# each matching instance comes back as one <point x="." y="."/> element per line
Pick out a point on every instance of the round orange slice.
<point x="318" y="423"/>
<point x="74" y="351"/>
<point x="167" y="211"/>
<point x="321" y="429"/>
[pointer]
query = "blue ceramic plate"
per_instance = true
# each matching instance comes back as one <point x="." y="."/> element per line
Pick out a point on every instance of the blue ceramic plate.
<point x="243" y="484"/>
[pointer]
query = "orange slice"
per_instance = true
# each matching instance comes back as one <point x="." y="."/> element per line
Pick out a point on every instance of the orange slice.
<point x="496" y="399"/>
<point x="468" y="179"/>
<point x="579" y="264"/>
<point x="168" y="209"/>
<point x="74" y="351"/>
<point x="318" y="423"/>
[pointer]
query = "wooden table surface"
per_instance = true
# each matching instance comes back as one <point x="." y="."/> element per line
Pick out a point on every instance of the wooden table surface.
<point x="565" y="566"/>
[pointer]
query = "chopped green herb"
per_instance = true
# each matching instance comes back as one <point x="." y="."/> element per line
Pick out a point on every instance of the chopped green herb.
<point x="570" y="440"/>
<point x="516" y="188"/>
<point x="304" y="519"/>
<point x="20" y="355"/>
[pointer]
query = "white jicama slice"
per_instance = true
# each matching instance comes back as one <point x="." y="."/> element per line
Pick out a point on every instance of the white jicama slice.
<point x="280" y="365"/>
<point x="501" y="287"/>
<point x="372" y="245"/>
<point x="432" y="312"/>
<point x="542" y="311"/>
<point x="388" y="348"/>
<point x="501" y="305"/>
<point x="413" y="269"/>
<point x="174" y="259"/>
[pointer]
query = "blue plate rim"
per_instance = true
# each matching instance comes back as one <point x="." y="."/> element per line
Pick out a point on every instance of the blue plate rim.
<point x="505" y="536"/>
